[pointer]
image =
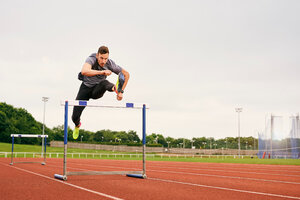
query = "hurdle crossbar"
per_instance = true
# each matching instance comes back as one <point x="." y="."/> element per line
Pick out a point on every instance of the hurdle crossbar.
<point x="99" y="104"/>
<point x="27" y="136"/>
<point x="137" y="174"/>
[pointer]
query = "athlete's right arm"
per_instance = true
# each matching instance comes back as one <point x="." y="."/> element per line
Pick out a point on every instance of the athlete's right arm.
<point x="88" y="71"/>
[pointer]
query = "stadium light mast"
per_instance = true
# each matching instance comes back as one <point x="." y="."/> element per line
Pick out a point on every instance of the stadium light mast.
<point x="239" y="110"/>
<point x="44" y="99"/>
<point x="168" y="144"/>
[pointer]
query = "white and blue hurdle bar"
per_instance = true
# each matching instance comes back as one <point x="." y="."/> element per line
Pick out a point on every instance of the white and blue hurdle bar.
<point x="28" y="136"/>
<point x="135" y="174"/>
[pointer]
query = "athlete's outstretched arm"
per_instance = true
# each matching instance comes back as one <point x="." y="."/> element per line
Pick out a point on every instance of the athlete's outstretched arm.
<point x="88" y="71"/>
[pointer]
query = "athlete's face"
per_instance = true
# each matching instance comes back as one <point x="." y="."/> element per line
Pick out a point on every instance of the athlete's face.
<point x="102" y="59"/>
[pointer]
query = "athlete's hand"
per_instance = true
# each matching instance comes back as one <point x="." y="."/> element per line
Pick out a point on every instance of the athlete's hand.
<point x="120" y="96"/>
<point x="106" y="72"/>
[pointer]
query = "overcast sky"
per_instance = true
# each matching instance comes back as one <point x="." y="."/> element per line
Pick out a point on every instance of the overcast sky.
<point x="193" y="62"/>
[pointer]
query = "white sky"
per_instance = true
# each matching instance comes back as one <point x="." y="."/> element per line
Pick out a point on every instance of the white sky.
<point x="193" y="62"/>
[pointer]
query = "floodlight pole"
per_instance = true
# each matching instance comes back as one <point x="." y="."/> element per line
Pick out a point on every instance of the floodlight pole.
<point x="271" y="140"/>
<point x="168" y="145"/>
<point x="44" y="99"/>
<point x="239" y="110"/>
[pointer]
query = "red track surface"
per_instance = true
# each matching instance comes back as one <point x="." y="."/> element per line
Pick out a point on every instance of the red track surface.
<point x="166" y="180"/>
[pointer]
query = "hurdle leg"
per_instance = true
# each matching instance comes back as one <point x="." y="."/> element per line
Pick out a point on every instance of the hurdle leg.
<point x="144" y="141"/>
<point x="12" y="150"/>
<point x="64" y="176"/>
<point x="144" y="149"/>
<point x="45" y="144"/>
<point x="66" y="138"/>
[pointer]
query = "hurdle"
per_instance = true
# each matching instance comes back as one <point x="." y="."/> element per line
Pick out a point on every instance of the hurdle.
<point x="31" y="136"/>
<point x="135" y="174"/>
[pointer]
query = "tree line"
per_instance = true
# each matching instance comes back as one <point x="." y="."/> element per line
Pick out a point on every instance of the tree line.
<point x="19" y="121"/>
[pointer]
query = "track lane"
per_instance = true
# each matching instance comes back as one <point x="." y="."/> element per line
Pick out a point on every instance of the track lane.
<point x="18" y="184"/>
<point x="175" y="186"/>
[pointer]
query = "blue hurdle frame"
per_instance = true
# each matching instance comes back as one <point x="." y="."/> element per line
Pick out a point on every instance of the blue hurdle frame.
<point x="27" y="135"/>
<point x="136" y="174"/>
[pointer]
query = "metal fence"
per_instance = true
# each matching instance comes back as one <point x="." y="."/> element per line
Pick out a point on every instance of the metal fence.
<point x="109" y="156"/>
<point x="137" y="149"/>
<point x="281" y="138"/>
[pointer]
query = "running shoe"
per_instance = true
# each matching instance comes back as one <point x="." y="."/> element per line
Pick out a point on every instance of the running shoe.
<point x="76" y="131"/>
<point x="120" y="82"/>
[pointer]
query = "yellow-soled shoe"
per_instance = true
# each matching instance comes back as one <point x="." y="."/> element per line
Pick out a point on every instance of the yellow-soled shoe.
<point x="76" y="132"/>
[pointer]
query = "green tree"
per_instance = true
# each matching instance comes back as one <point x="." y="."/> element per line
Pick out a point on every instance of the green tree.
<point x="99" y="136"/>
<point x="108" y="136"/>
<point x="4" y="125"/>
<point x="171" y="142"/>
<point x="132" y="136"/>
<point x="58" y="133"/>
<point x="121" y="137"/>
<point x="18" y="121"/>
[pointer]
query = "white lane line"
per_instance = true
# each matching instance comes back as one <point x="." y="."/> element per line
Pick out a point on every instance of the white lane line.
<point x="217" y="170"/>
<point x="232" y="177"/>
<point x="222" y="188"/>
<point x="260" y="167"/>
<point x="69" y="184"/>
<point x="236" y="168"/>
<point x="189" y="173"/>
<point x="221" y="176"/>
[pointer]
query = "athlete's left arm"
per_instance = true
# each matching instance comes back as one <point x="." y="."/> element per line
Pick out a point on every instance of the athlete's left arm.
<point x="116" y="69"/>
<point x="126" y="76"/>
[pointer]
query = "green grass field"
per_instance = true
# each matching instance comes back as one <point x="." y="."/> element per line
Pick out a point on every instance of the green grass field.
<point x="99" y="154"/>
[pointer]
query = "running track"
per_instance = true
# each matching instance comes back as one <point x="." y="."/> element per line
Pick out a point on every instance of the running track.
<point x="166" y="180"/>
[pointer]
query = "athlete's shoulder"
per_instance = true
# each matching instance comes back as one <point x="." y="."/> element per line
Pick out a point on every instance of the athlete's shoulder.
<point x="110" y="62"/>
<point x="93" y="55"/>
<point x="91" y="59"/>
<point x="111" y="65"/>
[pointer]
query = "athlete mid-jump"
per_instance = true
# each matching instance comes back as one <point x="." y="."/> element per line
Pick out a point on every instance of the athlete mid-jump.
<point x="94" y="84"/>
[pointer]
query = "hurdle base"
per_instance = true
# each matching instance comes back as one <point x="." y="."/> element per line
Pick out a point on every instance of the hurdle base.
<point x="103" y="173"/>
<point x="143" y="176"/>
<point x="42" y="163"/>
<point x="60" y="177"/>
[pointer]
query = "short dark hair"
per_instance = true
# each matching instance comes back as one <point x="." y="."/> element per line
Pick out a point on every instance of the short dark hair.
<point x="103" y="50"/>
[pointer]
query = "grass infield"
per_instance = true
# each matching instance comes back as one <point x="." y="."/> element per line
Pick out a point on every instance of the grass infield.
<point x="100" y="154"/>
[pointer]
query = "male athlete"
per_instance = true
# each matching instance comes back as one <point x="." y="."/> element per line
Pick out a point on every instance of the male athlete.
<point x="94" y="84"/>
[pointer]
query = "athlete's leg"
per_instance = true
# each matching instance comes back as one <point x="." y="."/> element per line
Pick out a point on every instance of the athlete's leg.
<point x="84" y="93"/>
<point x="101" y="88"/>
